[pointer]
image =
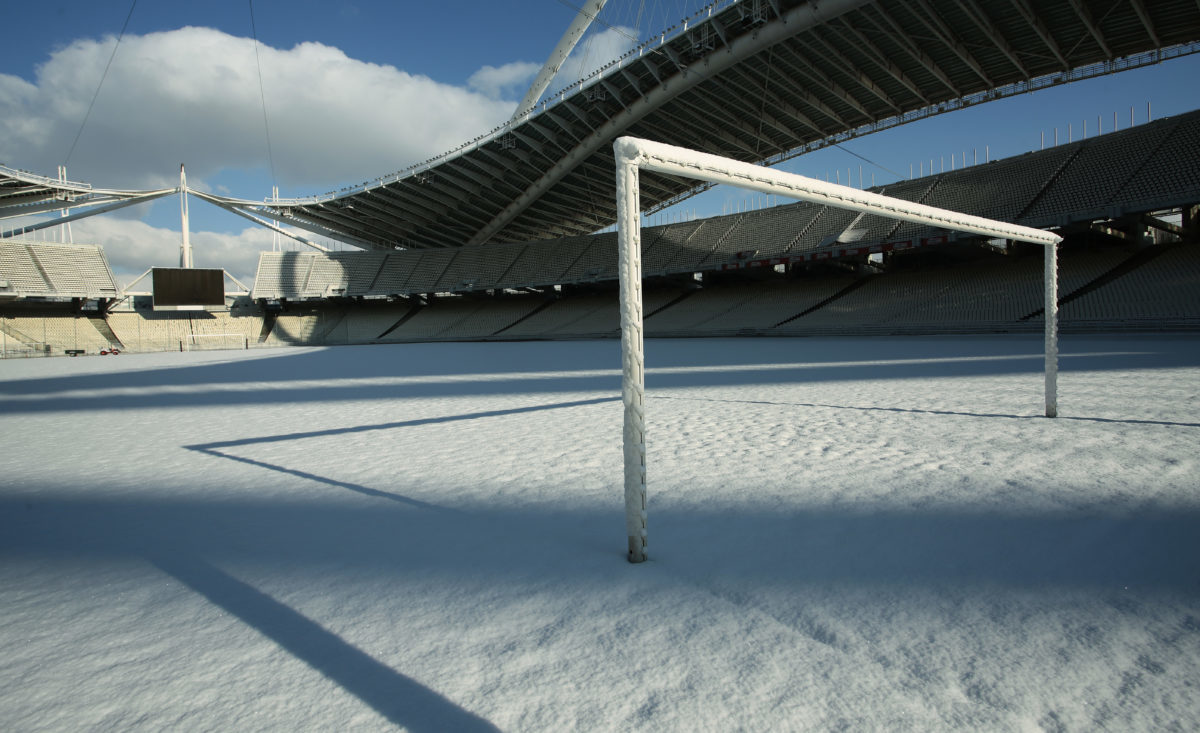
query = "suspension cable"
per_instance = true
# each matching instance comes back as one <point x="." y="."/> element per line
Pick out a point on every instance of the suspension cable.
<point x="839" y="146"/>
<point x="262" y="95"/>
<point x="103" y="76"/>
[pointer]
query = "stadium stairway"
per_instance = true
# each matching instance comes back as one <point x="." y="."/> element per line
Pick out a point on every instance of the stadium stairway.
<point x="15" y="333"/>
<point x="267" y="326"/>
<point x="1135" y="261"/>
<point x="401" y="321"/>
<point x="106" y="331"/>
<point x="858" y="283"/>
<point x="525" y="317"/>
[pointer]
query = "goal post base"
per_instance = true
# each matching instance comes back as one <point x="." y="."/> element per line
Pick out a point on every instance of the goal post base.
<point x="637" y="549"/>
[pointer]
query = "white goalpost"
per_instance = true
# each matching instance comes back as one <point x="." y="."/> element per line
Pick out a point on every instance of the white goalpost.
<point x="213" y="341"/>
<point x="634" y="154"/>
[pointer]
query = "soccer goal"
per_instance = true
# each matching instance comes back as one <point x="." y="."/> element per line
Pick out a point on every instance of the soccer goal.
<point x="635" y="154"/>
<point x="213" y="341"/>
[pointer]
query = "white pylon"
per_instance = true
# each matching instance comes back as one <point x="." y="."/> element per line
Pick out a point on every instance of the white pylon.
<point x="185" y="249"/>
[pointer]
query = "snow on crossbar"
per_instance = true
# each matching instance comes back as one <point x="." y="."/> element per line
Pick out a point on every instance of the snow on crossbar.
<point x="633" y="154"/>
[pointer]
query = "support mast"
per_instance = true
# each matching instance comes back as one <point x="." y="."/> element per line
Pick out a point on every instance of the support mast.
<point x="587" y="13"/>
<point x="64" y="234"/>
<point x="185" y="250"/>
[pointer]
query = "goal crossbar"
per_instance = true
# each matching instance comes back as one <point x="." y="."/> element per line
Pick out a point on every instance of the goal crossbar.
<point x="634" y="154"/>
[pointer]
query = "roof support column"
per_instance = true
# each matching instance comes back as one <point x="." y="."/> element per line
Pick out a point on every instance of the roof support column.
<point x="574" y="32"/>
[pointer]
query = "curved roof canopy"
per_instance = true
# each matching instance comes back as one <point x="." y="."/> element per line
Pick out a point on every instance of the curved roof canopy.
<point x="25" y="194"/>
<point x="758" y="80"/>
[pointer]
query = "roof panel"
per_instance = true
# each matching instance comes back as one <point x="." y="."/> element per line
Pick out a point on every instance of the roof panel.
<point x="756" y="96"/>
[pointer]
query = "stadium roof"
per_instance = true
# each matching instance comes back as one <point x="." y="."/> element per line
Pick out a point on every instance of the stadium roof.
<point x="25" y="194"/>
<point x="757" y="80"/>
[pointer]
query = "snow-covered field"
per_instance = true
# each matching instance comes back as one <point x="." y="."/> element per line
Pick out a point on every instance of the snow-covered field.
<point x="857" y="534"/>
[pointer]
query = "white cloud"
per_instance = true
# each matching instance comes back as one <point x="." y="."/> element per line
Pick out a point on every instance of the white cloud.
<point x="509" y="80"/>
<point x="192" y="96"/>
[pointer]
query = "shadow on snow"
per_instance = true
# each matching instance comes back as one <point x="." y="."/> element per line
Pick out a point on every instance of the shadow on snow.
<point x="445" y="369"/>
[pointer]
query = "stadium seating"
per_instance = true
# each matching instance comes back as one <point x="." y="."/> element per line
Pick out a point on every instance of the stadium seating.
<point x="55" y="270"/>
<point x="476" y="268"/>
<point x="700" y="242"/>
<point x="1162" y="290"/>
<point x="1170" y="175"/>
<point x="597" y="260"/>
<point x="541" y="263"/>
<point x="1098" y="170"/>
<point x="461" y="318"/>
<point x="219" y="323"/>
<point x="20" y="271"/>
<point x="294" y="328"/>
<point x="148" y="331"/>
<point x="25" y="336"/>
<point x="661" y="246"/>
<point x="824" y="229"/>
<point x="997" y="190"/>
<point x="368" y="324"/>
<point x="966" y="297"/>
<point x="760" y="231"/>
<point x="394" y="273"/>
<point x="1104" y="175"/>
<point x="871" y="228"/>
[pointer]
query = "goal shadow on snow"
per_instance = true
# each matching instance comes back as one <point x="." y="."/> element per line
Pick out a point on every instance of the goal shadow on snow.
<point x="397" y="697"/>
<point x="215" y="449"/>
<point x="926" y="411"/>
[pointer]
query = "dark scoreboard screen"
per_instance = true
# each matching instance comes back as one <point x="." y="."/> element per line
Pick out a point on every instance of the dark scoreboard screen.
<point x="180" y="286"/>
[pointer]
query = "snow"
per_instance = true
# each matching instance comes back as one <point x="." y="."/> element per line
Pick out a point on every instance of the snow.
<point x="865" y="534"/>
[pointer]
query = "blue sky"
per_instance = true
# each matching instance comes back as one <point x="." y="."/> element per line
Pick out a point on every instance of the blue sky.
<point x="359" y="89"/>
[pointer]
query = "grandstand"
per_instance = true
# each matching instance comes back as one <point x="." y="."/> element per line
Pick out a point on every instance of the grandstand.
<point x="794" y="269"/>
<point x="1059" y="187"/>
<point x="39" y="270"/>
<point x="1126" y="203"/>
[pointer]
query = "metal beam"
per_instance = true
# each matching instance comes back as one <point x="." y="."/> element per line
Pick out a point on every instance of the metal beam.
<point x="1143" y="15"/>
<point x="931" y="20"/>
<point x="793" y="85"/>
<point x="1085" y="17"/>
<point x="792" y="22"/>
<point x="12" y="210"/>
<point x="563" y="124"/>
<point x="851" y="69"/>
<point x="612" y="89"/>
<point x="1039" y="27"/>
<point x="779" y="103"/>
<point x="810" y="69"/>
<point x="150" y="196"/>
<point x="549" y="135"/>
<point x="977" y="15"/>
<point x="880" y="58"/>
<point x="896" y="33"/>
<point x="633" y="81"/>
<point x="764" y="117"/>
